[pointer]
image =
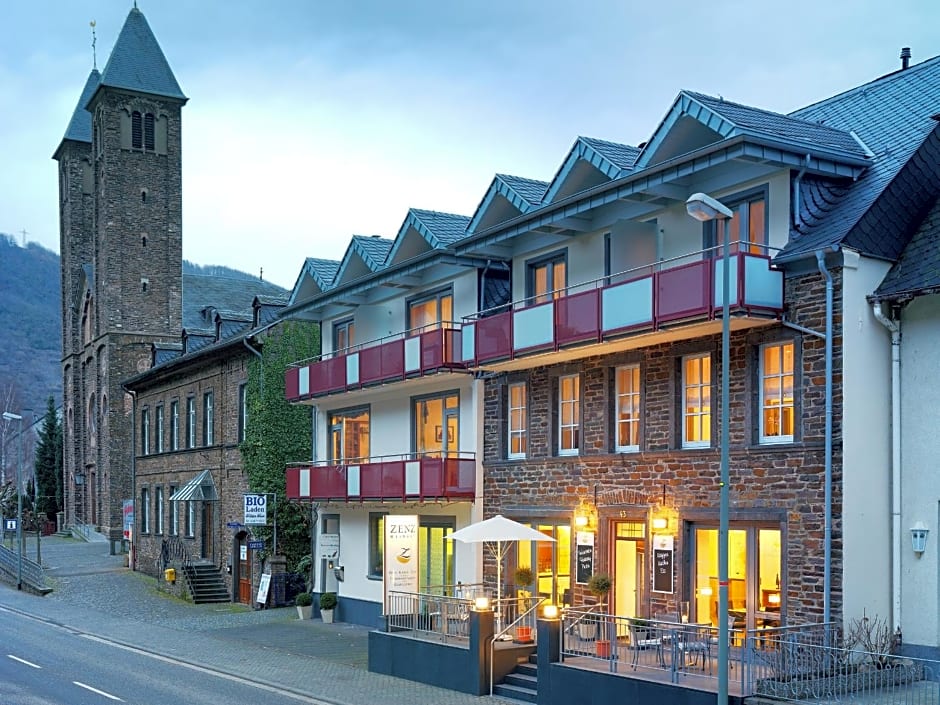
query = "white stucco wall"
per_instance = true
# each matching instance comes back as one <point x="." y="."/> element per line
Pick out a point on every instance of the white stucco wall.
<point x="920" y="456"/>
<point x="866" y="434"/>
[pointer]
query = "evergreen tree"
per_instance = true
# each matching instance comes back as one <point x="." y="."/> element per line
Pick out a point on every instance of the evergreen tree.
<point x="49" y="463"/>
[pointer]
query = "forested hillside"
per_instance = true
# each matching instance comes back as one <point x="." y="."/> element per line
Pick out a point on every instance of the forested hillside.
<point x="30" y="292"/>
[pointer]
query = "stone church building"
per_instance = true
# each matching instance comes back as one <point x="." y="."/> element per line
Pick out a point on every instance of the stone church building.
<point x="124" y="292"/>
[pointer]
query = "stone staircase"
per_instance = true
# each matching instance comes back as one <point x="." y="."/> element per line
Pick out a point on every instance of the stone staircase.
<point x="522" y="684"/>
<point x="205" y="583"/>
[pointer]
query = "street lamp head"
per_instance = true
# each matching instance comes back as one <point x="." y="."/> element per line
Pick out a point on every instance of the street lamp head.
<point x="703" y="207"/>
<point x="10" y="416"/>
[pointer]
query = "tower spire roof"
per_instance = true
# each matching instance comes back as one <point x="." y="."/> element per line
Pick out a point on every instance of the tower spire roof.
<point x="79" y="127"/>
<point x="137" y="62"/>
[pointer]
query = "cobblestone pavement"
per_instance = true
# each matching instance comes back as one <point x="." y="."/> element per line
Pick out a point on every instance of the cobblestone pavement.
<point x="93" y="592"/>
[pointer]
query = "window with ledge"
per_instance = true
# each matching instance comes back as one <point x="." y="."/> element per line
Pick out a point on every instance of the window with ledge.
<point x="776" y="393"/>
<point x="174" y="513"/>
<point x="145" y="432"/>
<point x="747" y="229"/>
<point x="696" y="401"/>
<point x="430" y="311"/>
<point x="159" y="430"/>
<point x="145" y="511"/>
<point x="437" y="424"/>
<point x="190" y="518"/>
<point x="344" y="333"/>
<point x="546" y="278"/>
<point x="349" y="435"/>
<point x="569" y="415"/>
<point x="242" y="412"/>
<point x="191" y="422"/>
<point x="376" y="544"/>
<point x="174" y="425"/>
<point x="158" y="511"/>
<point x="627" y="412"/>
<point x="208" y="419"/>
<point x="518" y="420"/>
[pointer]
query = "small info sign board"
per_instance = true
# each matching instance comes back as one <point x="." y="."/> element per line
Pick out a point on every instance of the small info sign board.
<point x="584" y="556"/>
<point x="256" y="509"/>
<point x="663" y="563"/>
<point x="263" y="586"/>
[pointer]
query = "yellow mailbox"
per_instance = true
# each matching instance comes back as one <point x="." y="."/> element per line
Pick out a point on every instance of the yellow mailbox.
<point x="170" y="575"/>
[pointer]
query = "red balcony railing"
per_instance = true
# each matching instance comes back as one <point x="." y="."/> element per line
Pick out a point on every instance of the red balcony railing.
<point x="409" y="478"/>
<point x="643" y="299"/>
<point x="394" y="358"/>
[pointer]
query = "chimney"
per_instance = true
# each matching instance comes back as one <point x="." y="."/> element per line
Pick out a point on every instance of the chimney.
<point x="905" y="57"/>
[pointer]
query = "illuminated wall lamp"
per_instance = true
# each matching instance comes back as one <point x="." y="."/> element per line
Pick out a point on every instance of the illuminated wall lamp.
<point x="550" y="612"/>
<point x="481" y="603"/>
<point x="660" y="523"/>
<point x="919" y="537"/>
<point x="705" y="591"/>
<point x="581" y="521"/>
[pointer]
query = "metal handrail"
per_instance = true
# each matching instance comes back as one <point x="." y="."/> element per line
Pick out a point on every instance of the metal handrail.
<point x="431" y="454"/>
<point x="535" y="601"/>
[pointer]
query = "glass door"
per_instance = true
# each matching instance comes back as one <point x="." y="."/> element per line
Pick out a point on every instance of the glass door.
<point x="754" y="565"/>
<point x="549" y="561"/>
<point x="629" y="568"/>
<point x="436" y="555"/>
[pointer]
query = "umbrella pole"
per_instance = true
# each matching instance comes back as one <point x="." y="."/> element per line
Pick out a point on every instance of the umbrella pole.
<point x="499" y="586"/>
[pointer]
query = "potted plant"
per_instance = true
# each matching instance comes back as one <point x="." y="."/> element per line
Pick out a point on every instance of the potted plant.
<point x="327" y="605"/>
<point x="599" y="584"/>
<point x="524" y="578"/>
<point x="304" y="604"/>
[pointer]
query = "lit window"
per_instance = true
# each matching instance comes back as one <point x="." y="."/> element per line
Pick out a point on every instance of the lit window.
<point x="349" y="435"/>
<point x="518" y="421"/>
<point x="344" y="334"/>
<point x="628" y="408"/>
<point x="431" y="311"/>
<point x="696" y="401"/>
<point x="376" y="545"/>
<point x="776" y="390"/>
<point x="569" y="415"/>
<point x="547" y="279"/>
<point x="747" y="229"/>
<point x="436" y="424"/>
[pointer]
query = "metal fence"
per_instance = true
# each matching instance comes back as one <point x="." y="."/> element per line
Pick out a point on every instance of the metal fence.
<point x="792" y="667"/>
<point x="429" y="616"/>
<point x="33" y="573"/>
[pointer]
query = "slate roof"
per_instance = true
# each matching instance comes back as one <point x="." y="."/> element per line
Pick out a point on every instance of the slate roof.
<point x="79" y="127"/>
<point x="272" y="300"/>
<point x="222" y="293"/>
<point x="530" y="190"/>
<point x="786" y="127"/>
<point x="373" y="249"/>
<point x="892" y="115"/>
<point x="623" y="155"/>
<point x="323" y="269"/>
<point x="446" y="228"/>
<point x="918" y="270"/>
<point x="137" y="62"/>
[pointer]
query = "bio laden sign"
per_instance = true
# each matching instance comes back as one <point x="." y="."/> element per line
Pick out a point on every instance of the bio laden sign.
<point x="256" y="509"/>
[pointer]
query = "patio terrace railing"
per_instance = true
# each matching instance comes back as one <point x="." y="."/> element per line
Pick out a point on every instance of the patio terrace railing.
<point x="426" y="615"/>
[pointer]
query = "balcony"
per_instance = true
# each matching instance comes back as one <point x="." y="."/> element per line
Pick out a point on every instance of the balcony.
<point x="409" y="478"/>
<point x="413" y="353"/>
<point x="674" y="299"/>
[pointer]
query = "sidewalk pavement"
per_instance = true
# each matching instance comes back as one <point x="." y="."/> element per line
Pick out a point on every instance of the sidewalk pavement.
<point x="94" y="593"/>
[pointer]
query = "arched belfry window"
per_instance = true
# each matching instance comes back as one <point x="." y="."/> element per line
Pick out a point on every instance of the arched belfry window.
<point x="142" y="131"/>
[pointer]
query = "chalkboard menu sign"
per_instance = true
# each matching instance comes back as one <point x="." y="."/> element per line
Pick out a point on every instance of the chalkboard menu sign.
<point x="662" y="570"/>
<point x="585" y="559"/>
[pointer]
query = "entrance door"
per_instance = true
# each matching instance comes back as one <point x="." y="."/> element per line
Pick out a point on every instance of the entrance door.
<point x="436" y="554"/>
<point x="205" y="544"/>
<point x="244" y="571"/>
<point x="754" y="567"/>
<point x="629" y="567"/>
<point x="549" y="561"/>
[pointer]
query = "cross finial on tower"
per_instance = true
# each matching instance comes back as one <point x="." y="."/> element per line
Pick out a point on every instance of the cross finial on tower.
<point x="94" y="52"/>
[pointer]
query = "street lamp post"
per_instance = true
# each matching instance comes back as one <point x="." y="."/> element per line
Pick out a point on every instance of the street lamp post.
<point x="9" y="416"/>
<point x="703" y="208"/>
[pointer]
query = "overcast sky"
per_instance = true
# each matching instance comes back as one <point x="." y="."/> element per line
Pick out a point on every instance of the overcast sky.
<point x="311" y="121"/>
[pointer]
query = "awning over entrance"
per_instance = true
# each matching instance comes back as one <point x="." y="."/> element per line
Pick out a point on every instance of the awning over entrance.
<point x="200" y="487"/>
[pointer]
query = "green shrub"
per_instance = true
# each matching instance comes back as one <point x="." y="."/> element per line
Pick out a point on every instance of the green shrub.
<point x="599" y="584"/>
<point x="303" y="599"/>
<point x="328" y="601"/>
<point x="524" y="576"/>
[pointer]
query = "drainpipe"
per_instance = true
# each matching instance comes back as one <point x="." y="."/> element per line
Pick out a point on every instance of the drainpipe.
<point x="132" y="554"/>
<point x="827" y="541"/>
<point x="797" y="223"/>
<point x="894" y="327"/>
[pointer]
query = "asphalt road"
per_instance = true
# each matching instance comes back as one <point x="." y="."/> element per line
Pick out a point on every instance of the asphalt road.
<point x="46" y="664"/>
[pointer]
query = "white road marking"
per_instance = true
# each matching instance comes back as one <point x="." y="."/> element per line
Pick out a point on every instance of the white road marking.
<point x="23" y="661"/>
<point x="210" y="672"/>
<point x="99" y="692"/>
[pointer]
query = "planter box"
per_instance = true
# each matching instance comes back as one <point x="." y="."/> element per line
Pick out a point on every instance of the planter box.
<point x="327" y="616"/>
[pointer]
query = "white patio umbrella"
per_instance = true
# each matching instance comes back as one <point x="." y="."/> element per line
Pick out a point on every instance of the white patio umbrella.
<point x="494" y="533"/>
